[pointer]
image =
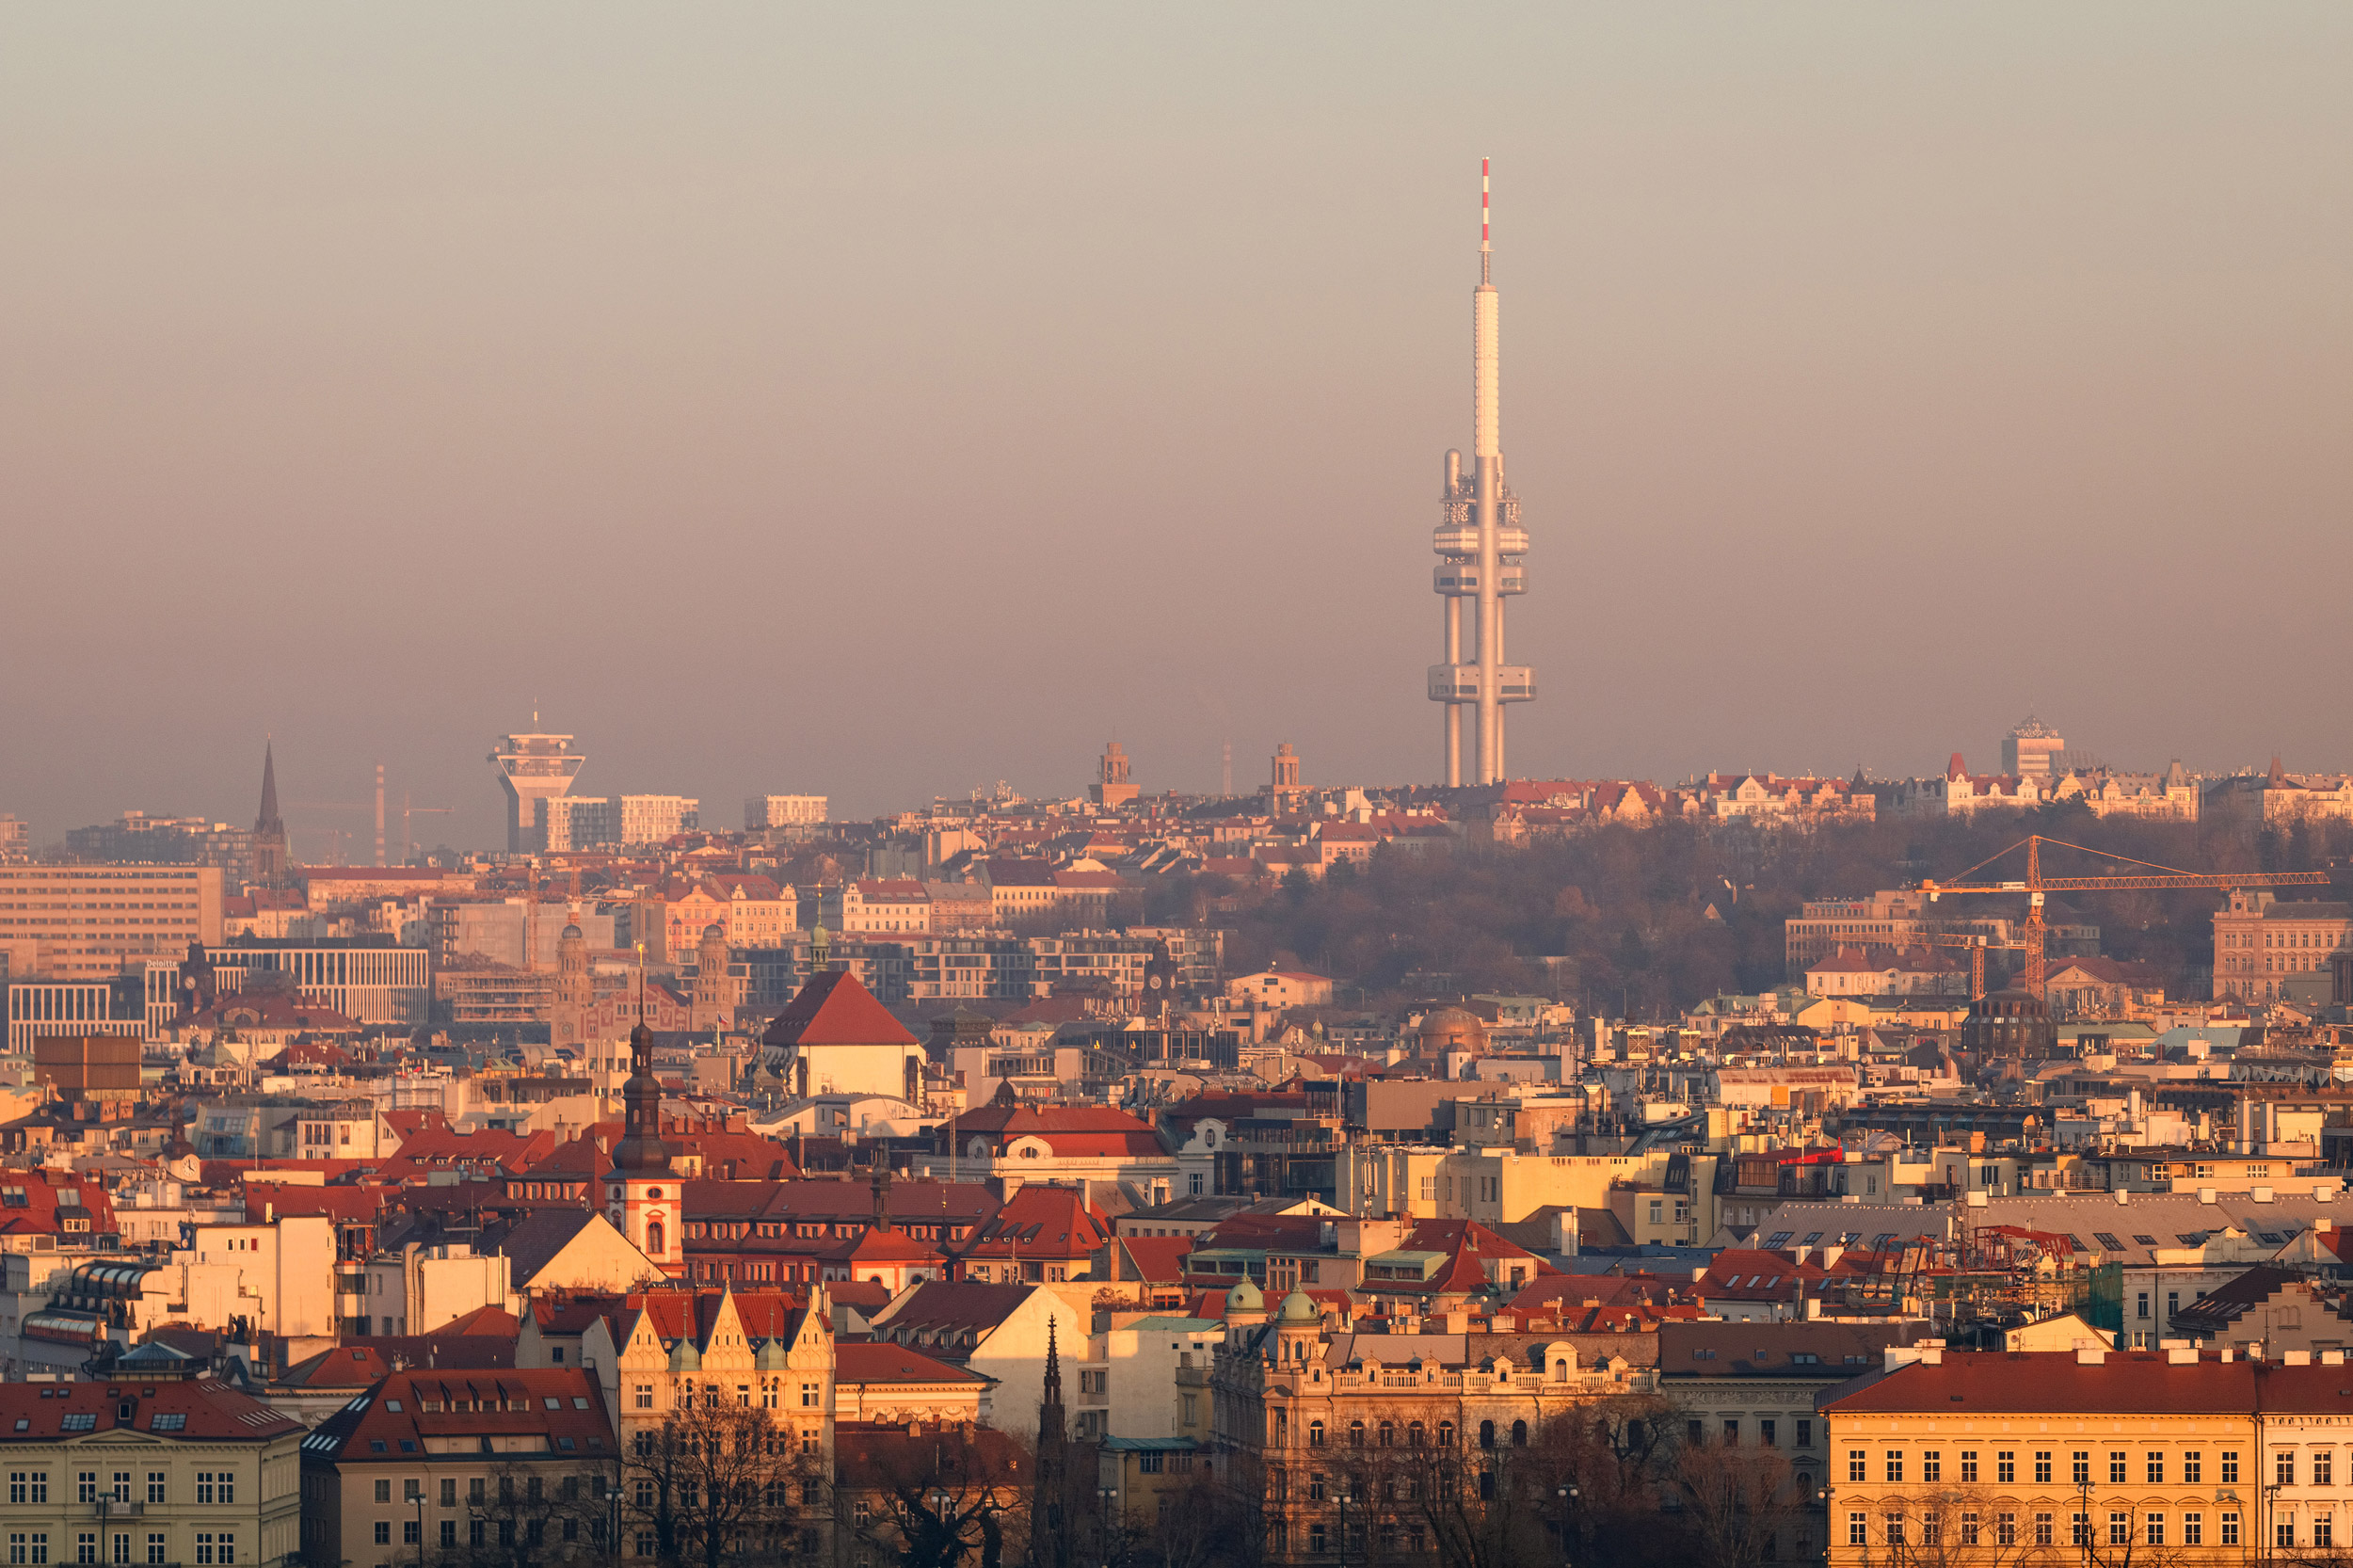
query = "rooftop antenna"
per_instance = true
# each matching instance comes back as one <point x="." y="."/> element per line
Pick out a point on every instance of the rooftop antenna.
<point x="1484" y="255"/>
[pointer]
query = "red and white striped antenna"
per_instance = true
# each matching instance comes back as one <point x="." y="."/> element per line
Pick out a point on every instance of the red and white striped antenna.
<point x="1482" y="222"/>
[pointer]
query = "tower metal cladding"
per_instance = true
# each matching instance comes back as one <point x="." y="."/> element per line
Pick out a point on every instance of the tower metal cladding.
<point x="532" y="768"/>
<point x="1480" y="545"/>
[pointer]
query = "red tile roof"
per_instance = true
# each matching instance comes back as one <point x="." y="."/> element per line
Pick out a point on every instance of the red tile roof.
<point x="834" y="1009"/>
<point x="212" y="1412"/>
<point x="392" y="1425"/>
<point x="879" y="1361"/>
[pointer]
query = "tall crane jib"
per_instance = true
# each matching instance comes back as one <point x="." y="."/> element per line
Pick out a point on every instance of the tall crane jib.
<point x="2152" y="879"/>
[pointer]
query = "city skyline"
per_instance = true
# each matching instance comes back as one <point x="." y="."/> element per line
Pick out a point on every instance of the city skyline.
<point x="1863" y="420"/>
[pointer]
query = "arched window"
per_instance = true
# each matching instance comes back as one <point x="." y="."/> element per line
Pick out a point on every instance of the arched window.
<point x="654" y="1243"/>
<point x="1445" y="1434"/>
<point x="1519" y="1434"/>
<point x="1315" y="1434"/>
<point x="1388" y="1435"/>
<point x="1486" y="1434"/>
<point x="1356" y="1434"/>
<point x="1413" y="1434"/>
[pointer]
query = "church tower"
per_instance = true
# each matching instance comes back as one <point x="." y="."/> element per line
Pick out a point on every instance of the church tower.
<point x="269" y="829"/>
<point x="714" y="1004"/>
<point x="575" y="992"/>
<point x="642" y="1196"/>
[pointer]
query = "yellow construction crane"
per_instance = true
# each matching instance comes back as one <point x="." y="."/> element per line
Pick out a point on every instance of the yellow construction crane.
<point x="2157" y="879"/>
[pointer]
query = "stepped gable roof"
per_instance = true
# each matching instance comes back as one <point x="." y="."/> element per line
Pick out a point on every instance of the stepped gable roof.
<point x="391" y="1423"/>
<point x="207" y="1411"/>
<point x="871" y="1362"/>
<point x="834" y="1008"/>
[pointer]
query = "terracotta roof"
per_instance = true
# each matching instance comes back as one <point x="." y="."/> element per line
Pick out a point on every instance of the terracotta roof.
<point x="2124" y="1382"/>
<point x="834" y="1009"/>
<point x="390" y="1423"/>
<point x="879" y="1361"/>
<point x="956" y="1306"/>
<point x="208" y="1410"/>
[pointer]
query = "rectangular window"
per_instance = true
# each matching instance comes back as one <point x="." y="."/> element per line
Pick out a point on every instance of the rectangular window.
<point x="2117" y="1467"/>
<point x="16" y="1546"/>
<point x="154" y="1546"/>
<point x="408" y="1534"/>
<point x="645" y="1395"/>
<point x="122" y="1547"/>
<point x="2193" y="1529"/>
<point x="1968" y="1465"/>
<point x="1765" y="1431"/>
<point x="2283" y="1531"/>
<point x="384" y="1491"/>
<point x="1932" y="1465"/>
<point x="86" y="1547"/>
<point x="2156" y="1469"/>
<point x="1805" y="1434"/>
<point x="2152" y="1529"/>
<point x="1968" y="1530"/>
<point x="122" y="1486"/>
<point x="228" y="1547"/>
<point x="40" y="1545"/>
<point x="412" y="1491"/>
<point x="2229" y="1528"/>
<point x="2006" y="1465"/>
<point x="2324" y="1529"/>
<point x="1895" y="1465"/>
<point x="1858" y="1530"/>
<point x="2324" y="1465"/>
<point x="2283" y="1466"/>
<point x="2006" y="1529"/>
<point x="2079" y="1467"/>
<point x="203" y="1545"/>
<point x="2193" y="1465"/>
<point x="449" y="1491"/>
<point x="1931" y="1529"/>
<point x="40" y="1486"/>
<point x="2042" y="1464"/>
<point x="383" y="1532"/>
<point x="2229" y="1468"/>
<point x="449" y="1534"/>
<point x="1857" y="1466"/>
<point x="1895" y="1522"/>
<point x="85" y="1487"/>
<point x="2119" y="1530"/>
<point x="203" y="1486"/>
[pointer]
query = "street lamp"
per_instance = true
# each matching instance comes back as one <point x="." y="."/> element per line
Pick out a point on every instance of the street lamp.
<point x="1568" y="1496"/>
<point x="1110" y="1501"/>
<point x="613" y="1514"/>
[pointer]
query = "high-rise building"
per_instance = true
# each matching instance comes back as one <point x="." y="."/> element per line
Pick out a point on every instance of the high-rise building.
<point x="532" y="768"/>
<point x="650" y="819"/>
<point x="2033" y="750"/>
<point x="762" y="812"/>
<point x="79" y="921"/>
<point x="1481" y="546"/>
<point x="569" y="822"/>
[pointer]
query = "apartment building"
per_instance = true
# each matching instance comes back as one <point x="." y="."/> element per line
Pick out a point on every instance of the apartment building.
<point x="2260" y="941"/>
<point x="150" y="1465"/>
<point x="763" y="812"/>
<point x="452" y="1459"/>
<point x="2164" y="1453"/>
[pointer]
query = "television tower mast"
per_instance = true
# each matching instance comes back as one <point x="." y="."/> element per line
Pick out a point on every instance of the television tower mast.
<point x="1480" y="545"/>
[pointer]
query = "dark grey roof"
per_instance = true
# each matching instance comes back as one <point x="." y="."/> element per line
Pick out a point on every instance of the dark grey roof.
<point x="534" y="1243"/>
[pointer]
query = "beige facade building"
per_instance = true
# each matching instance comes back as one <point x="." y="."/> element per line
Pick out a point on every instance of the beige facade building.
<point x="2260" y="942"/>
<point x="150" y="1465"/>
<point x="83" y="921"/>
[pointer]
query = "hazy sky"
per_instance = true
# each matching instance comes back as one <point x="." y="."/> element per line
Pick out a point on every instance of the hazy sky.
<point x="884" y="400"/>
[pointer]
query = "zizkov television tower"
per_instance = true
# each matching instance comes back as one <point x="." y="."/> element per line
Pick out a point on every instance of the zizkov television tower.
<point x="1480" y="547"/>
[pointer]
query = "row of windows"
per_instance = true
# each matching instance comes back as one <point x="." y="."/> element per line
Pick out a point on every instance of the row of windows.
<point x="32" y="1546"/>
<point x="534" y="1532"/>
<point x="32" y="1486"/>
<point x="714" y="1394"/>
<point x="2080" y="1465"/>
<point x="2042" y="1528"/>
<point x="1384" y="1434"/>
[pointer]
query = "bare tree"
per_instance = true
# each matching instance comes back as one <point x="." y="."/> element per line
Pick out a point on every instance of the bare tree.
<point x="1736" y="1503"/>
<point x="717" y="1482"/>
<point x="935" y="1499"/>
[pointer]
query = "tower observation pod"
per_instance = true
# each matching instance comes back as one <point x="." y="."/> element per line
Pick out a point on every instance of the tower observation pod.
<point x="1480" y="548"/>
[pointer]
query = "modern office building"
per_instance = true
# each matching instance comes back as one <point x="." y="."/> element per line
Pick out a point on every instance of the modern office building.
<point x="83" y="922"/>
<point x="563" y="825"/>
<point x="1481" y="548"/>
<point x="651" y="818"/>
<point x="532" y="768"/>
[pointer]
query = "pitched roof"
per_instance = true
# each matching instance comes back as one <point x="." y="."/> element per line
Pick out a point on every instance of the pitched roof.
<point x="835" y="1009"/>
<point x="391" y="1422"/>
<point x="879" y="1361"/>
<point x="1966" y="1383"/>
<point x="209" y="1411"/>
<point x="956" y="1306"/>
